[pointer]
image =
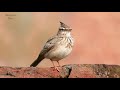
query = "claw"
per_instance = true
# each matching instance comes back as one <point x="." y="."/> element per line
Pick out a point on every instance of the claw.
<point x="57" y="68"/>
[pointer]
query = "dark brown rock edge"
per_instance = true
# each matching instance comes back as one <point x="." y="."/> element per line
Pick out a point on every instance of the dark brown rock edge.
<point x="66" y="71"/>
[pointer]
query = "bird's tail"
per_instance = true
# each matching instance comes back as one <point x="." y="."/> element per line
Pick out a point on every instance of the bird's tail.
<point x="37" y="61"/>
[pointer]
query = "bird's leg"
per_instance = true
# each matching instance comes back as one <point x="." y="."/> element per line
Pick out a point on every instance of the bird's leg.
<point x="58" y="63"/>
<point x="56" y="68"/>
<point x="60" y="66"/>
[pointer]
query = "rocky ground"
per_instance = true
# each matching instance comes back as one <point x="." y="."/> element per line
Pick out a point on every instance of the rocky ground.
<point x="67" y="71"/>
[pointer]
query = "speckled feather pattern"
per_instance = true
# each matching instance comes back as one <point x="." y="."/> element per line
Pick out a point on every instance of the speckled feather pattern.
<point x="57" y="47"/>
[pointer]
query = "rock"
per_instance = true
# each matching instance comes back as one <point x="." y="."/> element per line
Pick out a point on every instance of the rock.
<point x="66" y="71"/>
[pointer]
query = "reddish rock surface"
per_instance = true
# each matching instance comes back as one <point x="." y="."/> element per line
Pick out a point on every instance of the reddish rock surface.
<point x="67" y="71"/>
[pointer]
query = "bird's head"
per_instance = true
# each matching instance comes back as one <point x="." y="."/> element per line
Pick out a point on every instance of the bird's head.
<point x="64" y="29"/>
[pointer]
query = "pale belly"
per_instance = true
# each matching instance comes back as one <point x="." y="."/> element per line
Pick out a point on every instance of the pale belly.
<point x="58" y="53"/>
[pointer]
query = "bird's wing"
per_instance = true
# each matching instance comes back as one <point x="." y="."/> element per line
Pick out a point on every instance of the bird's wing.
<point x="50" y="44"/>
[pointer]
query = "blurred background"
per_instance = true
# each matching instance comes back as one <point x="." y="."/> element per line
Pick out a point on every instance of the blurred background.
<point x="23" y="34"/>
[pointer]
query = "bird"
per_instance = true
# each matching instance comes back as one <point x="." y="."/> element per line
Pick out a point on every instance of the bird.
<point x="57" y="47"/>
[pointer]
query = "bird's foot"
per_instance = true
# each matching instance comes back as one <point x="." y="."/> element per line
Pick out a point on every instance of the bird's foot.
<point x="57" y="68"/>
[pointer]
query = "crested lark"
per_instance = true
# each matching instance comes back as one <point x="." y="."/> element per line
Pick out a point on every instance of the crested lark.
<point x="57" y="47"/>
